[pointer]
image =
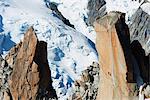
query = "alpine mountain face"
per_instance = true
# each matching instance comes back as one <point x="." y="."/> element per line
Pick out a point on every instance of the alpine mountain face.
<point x="74" y="49"/>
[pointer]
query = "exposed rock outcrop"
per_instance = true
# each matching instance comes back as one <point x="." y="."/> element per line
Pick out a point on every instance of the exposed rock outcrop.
<point x="113" y="69"/>
<point x="57" y="13"/>
<point x="139" y="29"/>
<point x="5" y="71"/>
<point x="97" y="9"/>
<point x="87" y="87"/>
<point x="120" y="62"/>
<point x="133" y="67"/>
<point x="26" y="72"/>
<point x="142" y="60"/>
<point x="136" y="60"/>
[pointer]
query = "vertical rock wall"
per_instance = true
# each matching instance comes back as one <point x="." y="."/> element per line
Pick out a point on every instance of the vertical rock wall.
<point x="113" y="69"/>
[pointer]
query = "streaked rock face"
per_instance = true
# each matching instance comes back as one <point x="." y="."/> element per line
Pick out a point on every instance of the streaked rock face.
<point x="140" y="29"/>
<point x="113" y="84"/>
<point x="121" y="63"/>
<point x="97" y="9"/>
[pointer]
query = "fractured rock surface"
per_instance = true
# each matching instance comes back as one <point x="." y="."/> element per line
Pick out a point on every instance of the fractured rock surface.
<point x="27" y="75"/>
<point x="113" y="68"/>
<point x="139" y="29"/>
<point x="87" y="87"/>
<point x="120" y="61"/>
<point x="97" y="9"/>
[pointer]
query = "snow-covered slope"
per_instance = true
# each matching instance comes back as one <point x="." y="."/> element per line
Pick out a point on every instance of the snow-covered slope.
<point x="126" y="6"/>
<point x="69" y="52"/>
<point x="76" y="11"/>
<point x="146" y="7"/>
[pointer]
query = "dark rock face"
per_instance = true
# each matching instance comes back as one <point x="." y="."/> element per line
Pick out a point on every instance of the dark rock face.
<point x="26" y="73"/>
<point x="87" y="87"/>
<point x="97" y="9"/>
<point x="137" y="62"/>
<point x="139" y="29"/>
<point x="132" y="65"/>
<point x="57" y="13"/>
<point x="142" y="60"/>
<point x="45" y="83"/>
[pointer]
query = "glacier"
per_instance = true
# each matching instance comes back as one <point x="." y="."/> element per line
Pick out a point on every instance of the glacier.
<point x="76" y="12"/>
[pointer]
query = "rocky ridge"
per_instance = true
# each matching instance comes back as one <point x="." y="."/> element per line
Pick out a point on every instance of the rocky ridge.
<point x="139" y="29"/>
<point x="87" y="87"/>
<point x="25" y="74"/>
